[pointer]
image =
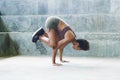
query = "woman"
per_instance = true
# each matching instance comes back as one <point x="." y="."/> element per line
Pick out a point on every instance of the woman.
<point x="57" y="36"/>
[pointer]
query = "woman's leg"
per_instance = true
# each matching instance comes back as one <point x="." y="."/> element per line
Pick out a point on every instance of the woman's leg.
<point x="49" y="38"/>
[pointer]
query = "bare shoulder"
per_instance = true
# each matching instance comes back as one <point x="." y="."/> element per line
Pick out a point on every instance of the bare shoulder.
<point x="69" y="35"/>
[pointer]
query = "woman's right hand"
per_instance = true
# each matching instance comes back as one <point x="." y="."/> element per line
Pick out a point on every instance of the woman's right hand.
<point x="57" y="64"/>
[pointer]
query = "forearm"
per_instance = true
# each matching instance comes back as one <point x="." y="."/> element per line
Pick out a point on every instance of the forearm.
<point x="60" y="53"/>
<point x="54" y="55"/>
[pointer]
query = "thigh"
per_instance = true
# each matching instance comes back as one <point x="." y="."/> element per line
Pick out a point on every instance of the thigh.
<point x="58" y="37"/>
<point x="52" y="37"/>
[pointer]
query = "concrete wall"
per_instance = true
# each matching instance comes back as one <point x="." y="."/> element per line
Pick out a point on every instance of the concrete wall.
<point x="95" y="20"/>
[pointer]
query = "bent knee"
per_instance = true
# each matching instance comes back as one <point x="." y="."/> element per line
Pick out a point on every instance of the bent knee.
<point x="53" y="45"/>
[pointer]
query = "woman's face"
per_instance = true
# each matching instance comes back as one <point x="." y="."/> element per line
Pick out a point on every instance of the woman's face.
<point x="76" y="46"/>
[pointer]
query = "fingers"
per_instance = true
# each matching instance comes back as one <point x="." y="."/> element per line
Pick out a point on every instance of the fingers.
<point x="64" y="61"/>
<point x="57" y="64"/>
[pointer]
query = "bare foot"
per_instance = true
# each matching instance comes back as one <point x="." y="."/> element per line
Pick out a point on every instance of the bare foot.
<point x="64" y="61"/>
<point x="57" y="64"/>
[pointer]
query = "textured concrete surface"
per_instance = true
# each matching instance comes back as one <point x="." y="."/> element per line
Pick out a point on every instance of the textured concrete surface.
<point x="40" y="68"/>
<point x="98" y="21"/>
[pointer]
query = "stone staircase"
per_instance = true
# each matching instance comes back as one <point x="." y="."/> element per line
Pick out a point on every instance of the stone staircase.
<point x="98" y="21"/>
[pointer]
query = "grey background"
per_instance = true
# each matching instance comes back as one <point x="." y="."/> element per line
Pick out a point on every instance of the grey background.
<point x="98" y="21"/>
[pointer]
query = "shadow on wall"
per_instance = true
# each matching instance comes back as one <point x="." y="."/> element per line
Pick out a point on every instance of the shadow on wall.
<point x="0" y="13"/>
<point x="8" y="47"/>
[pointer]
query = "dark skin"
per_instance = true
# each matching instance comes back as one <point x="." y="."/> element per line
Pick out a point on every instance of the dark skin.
<point x="52" y="39"/>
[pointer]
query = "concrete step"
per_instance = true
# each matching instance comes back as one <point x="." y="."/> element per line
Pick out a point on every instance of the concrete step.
<point x="79" y="23"/>
<point x="53" y="7"/>
<point x="101" y="44"/>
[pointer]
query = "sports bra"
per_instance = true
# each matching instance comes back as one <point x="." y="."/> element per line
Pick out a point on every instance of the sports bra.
<point x="62" y="33"/>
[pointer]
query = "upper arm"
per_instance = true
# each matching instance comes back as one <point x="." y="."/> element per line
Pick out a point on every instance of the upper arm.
<point x="69" y="36"/>
<point x="62" y="43"/>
